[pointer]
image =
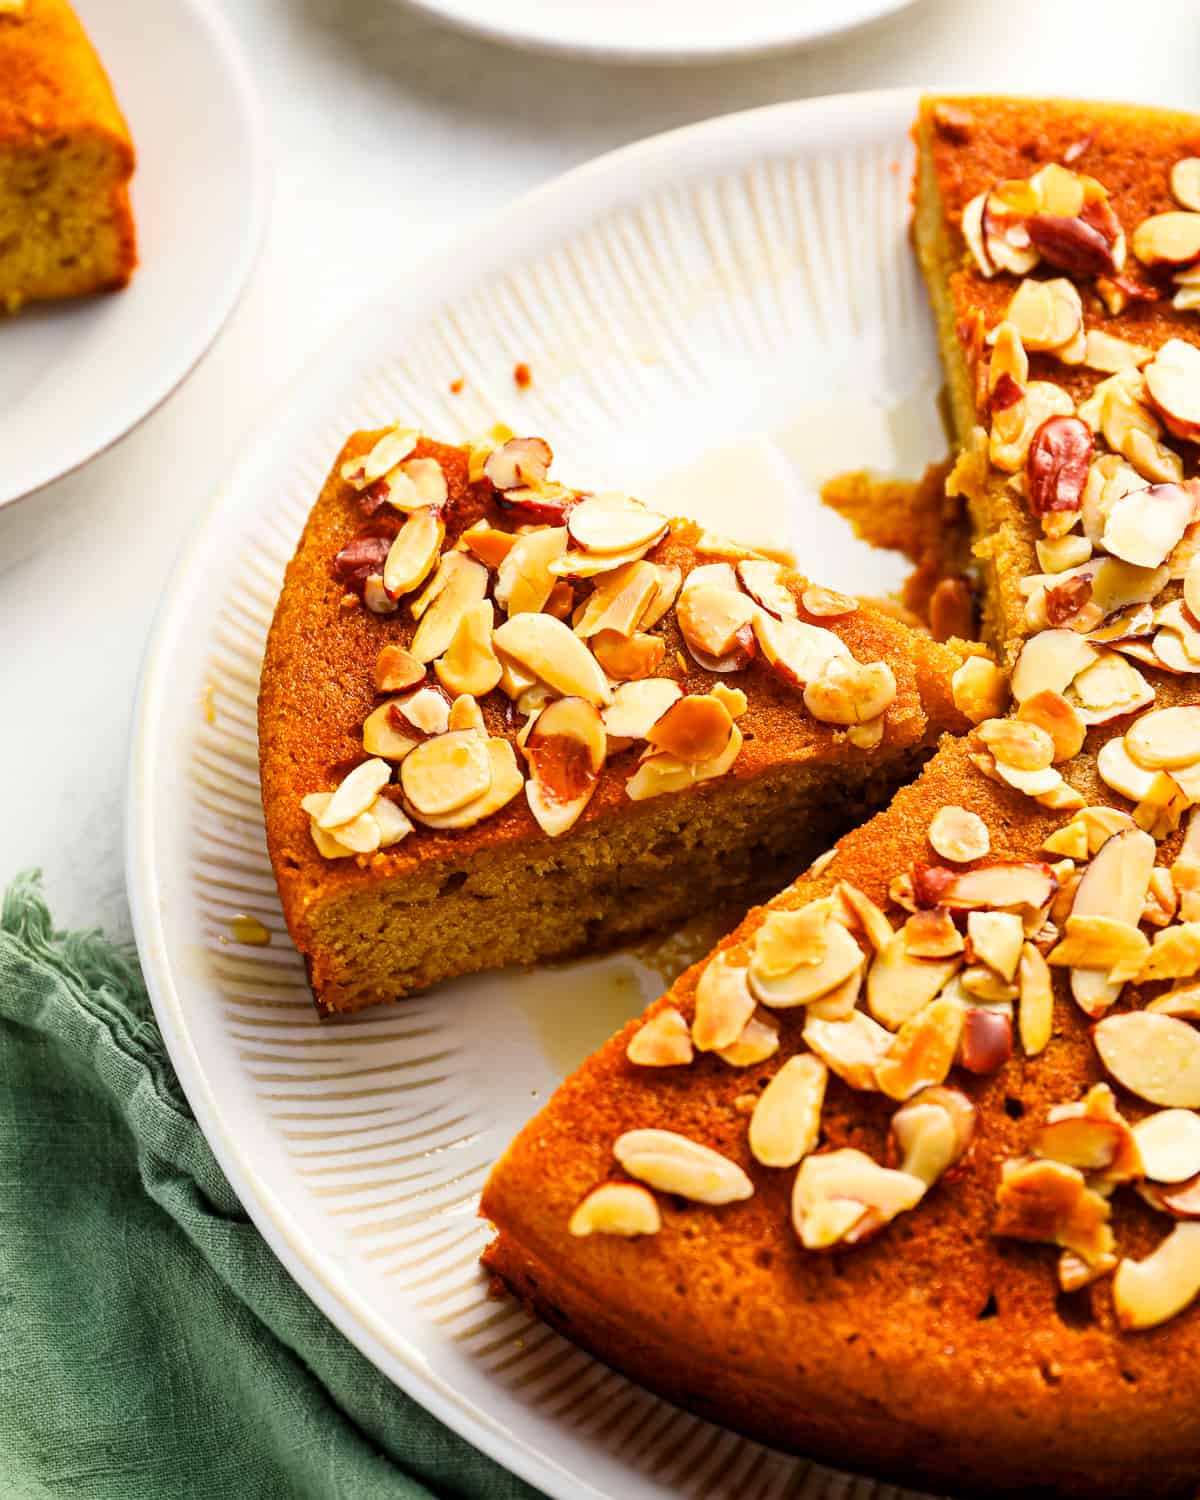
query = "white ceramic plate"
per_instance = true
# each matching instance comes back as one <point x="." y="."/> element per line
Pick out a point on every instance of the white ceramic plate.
<point x="742" y="289"/>
<point x="658" y="31"/>
<point x="76" y="376"/>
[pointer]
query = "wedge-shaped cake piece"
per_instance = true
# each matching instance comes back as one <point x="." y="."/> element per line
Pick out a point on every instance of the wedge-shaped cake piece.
<point x="66" y="227"/>
<point x="895" y="1169"/>
<point x="502" y="719"/>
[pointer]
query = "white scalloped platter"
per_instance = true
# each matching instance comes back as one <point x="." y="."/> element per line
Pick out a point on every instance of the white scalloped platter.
<point x="724" y="314"/>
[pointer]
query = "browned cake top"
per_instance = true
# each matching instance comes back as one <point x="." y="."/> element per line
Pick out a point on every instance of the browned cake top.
<point x="51" y="81"/>
<point x="569" y="654"/>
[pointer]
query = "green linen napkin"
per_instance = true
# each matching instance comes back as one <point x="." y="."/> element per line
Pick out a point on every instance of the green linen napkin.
<point x="150" y="1343"/>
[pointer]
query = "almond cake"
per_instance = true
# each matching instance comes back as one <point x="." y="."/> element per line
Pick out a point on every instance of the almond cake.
<point x="906" y="1174"/>
<point x="66" y="228"/>
<point x="538" y="721"/>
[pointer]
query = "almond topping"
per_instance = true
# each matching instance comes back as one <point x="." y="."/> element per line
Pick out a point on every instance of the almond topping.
<point x="1156" y="1057"/>
<point x="355" y="794"/>
<point x="1170" y="239"/>
<point x="923" y="1050"/>
<point x="1169" y="1144"/>
<point x="621" y="1208"/>
<point x="931" y="933"/>
<point x="1051" y="713"/>
<point x="565" y="748"/>
<point x="996" y="939"/>
<point x="1185" y="182"/>
<point x="628" y="658"/>
<point x="711" y="616"/>
<point x="1151" y="1291"/>
<point x="396" y="669"/>
<point x="930" y="1133"/>
<point x="1092" y="1136"/>
<point x="1114" y="885"/>
<point x="1094" y="942"/>
<point x="524" y="581"/>
<point x="395" y="444"/>
<point x="1145" y="526"/>
<point x="519" y="462"/>
<point x="724" y="1004"/>
<point x="859" y="912"/>
<point x="547" y="648"/>
<point x="900" y="986"/>
<point x="470" y="665"/>
<point x="1017" y="743"/>
<point x="799" y="652"/>
<point x="1175" y="954"/>
<point x="786" y="1121"/>
<point x="506" y="781"/>
<point x="460" y="582"/>
<point x="852" y="1048"/>
<point x="764" y="582"/>
<point x="979" y="689"/>
<point x="1049" y="1202"/>
<point x="1035" y="1016"/>
<point x="613" y="523"/>
<point x="759" y="1040"/>
<point x="694" y="730"/>
<point x="619" y="600"/>
<point x="400" y="724"/>
<point x="827" y="603"/>
<point x="801" y="955"/>
<point x="660" y="772"/>
<point x="1050" y="661"/>
<point x="445" y="772"/>
<point x="414" y="552"/>
<point x="674" y="1164"/>
<point x="850" y="692"/>
<point x="1046" y="314"/>
<point x="638" y="706"/>
<point x="1165" y="739"/>
<point x="843" y="1197"/>
<point x="662" y="1042"/>
<point x="417" y="485"/>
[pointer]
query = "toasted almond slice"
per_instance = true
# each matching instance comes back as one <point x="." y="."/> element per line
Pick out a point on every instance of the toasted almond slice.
<point x="759" y="1039"/>
<point x="1169" y="1144"/>
<point x="487" y="543"/>
<point x="1091" y="1135"/>
<point x="524" y="581"/>
<point x="979" y="689"/>
<point x="996" y="939"/>
<point x="821" y="958"/>
<point x="1169" y="239"/>
<point x="1046" y="314"/>
<point x="724" y="1004"/>
<point x="1013" y="430"/>
<point x="506" y="782"/>
<point x="1050" y="661"/>
<point x="1191" y="586"/>
<point x="959" y="835"/>
<point x="1060" y="554"/>
<point x="1175" y="954"/>
<point x="1116" y="948"/>
<point x="1173" y="386"/>
<point x="711" y="616"/>
<point x="660" y="773"/>
<point x="393" y="825"/>
<point x="930" y="1133"/>
<point x="520" y="462"/>
<point x="1152" y="1291"/>
<point x="547" y="648"/>
<point x="611" y="522"/>
<point x="674" y="1164"/>
<point x="1049" y="1202"/>
<point x="931" y="933"/>
<point x="1018" y="744"/>
<point x="629" y="658"/>
<point x="412" y="555"/>
<point x="1155" y="1056"/>
<point x="923" y="1050"/>
<point x="1182" y="1001"/>
<point x="395" y="444"/>
<point x="859" y="912"/>
<point x="397" y="669"/>
<point x="972" y="232"/>
<point x="1109" y="689"/>
<point x="786" y="1122"/>
<point x="446" y="772"/>
<point x="838" y="1003"/>
<point x="900" y="986"/>
<point x="1185" y="182"/>
<point x="575" y="564"/>
<point x="637" y="707"/>
<point x="1051" y="712"/>
<point x="764" y="582"/>
<point x="417" y="485"/>
<point x="465" y="585"/>
<point x="1145" y="526"/>
<point x="355" y="794"/>
<point x="1114" y="885"/>
<point x="565" y="748"/>
<point x="661" y="1042"/>
<point x="695" y="729"/>
<point x="1035" y="1014"/>
<point x="1121" y="772"/>
<point x="1108" y="353"/>
<point x="1008" y="885"/>
<point x="827" y="603"/>
<point x="619" y="600"/>
<point x="388" y="732"/>
<point x="842" y="1197"/>
<point x="799" y="652"/>
<point x="470" y="665"/>
<point x="1165" y="739"/>
<point x="850" y="692"/>
<point x="1074" y="1273"/>
<point x="621" y="1208"/>
<point x="328" y="846"/>
<point x="852" y="1048"/>
<point x="465" y="713"/>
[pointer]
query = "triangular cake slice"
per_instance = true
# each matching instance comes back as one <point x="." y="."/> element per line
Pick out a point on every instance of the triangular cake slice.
<point x="502" y="720"/>
<point x="906" y="1175"/>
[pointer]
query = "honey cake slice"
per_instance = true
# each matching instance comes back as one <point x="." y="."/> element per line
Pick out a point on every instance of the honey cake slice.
<point x="897" y="1177"/>
<point x="502" y="720"/>
<point x="66" y="158"/>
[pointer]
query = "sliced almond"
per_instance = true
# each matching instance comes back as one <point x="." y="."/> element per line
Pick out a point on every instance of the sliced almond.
<point x="859" y="912"/>
<point x="565" y="749"/>
<point x="1173" y="386"/>
<point x="852" y="1048"/>
<point x="930" y="1133"/>
<point x="764" y="582"/>
<point x="996" y="939"/>
<point x="674" y="1164"/>
<point x="520" y="462"/>
<point x="660" y="773"/>
<point x="638" y="706"/>
<point x="464" y="584"/>
<point x="470" y="665"/>
<point x="786" y="1122"/>
<point x="1152" y="1291"/>
<point x="1165" y="739"/>
<point x="796" y="961"/>
<point x="711" y="616"/>
<point x="1107" y="352"/>
<point x="842" y="1197"/>
<point x="488" y="544"/>
<point x="1175" y="954"/>
<point x="629" y="658"/>
<point x="670" y="580"/>
<point x="1046" y="314"/>
<point x="1062" y="553"/>
<point x="618" y="600"/>
<point x="397" y="669"/>
<point x="444" y="773"/>
<point x="1169" y="1144"/>
<point x="524" y="581"/>
<point x="612" y="523"/>
<point x="1182" y="1001"/>
<point x="391" y="732"/>
<point x="412" y="555"/>
<point x="355" y="794"/>
<point x="662" y="1042"/>
<point x="979" y="689"/>
<point x="1049" y="1202"/>
<point x="758" y="1040"/>
<point x="417" y="485"/>
<point x="1121" y="772"/>
<point x="694" y="729"/>
<point x="465" y="713"/>
<point x="395" y="444"/>
<point x="959" y="835"/>
<point x="1017" y="743"/>
<point x="1146" y="525"/>
<point x="724" y="1004"/>
<point x="1156" y="1057"/>
<point x="1013" y="430"/>
<point x="1050" y="712"/>
<point x="799" y="652"/>
<point x="931" y="933"/>
<point x="900" y="986"/>
<point x="1008" y="885"/>
<point x="1109" y="689"/>
<point x="1169" y="239"/>
<point x="923" y="1050"/>
<point x="850" y="692"/>
<point x="506" y="781"/>
<point x="1091" y="1135"/>
<point x="1116" y="948"/>
<point x="621" y="1208"/>
<point x="1049" y="662"/>
<point x="1035" y="1013"/>
<point x="547" y="648"/>
<point x="1114" y="885"/>
<point x="1185" y="182"/>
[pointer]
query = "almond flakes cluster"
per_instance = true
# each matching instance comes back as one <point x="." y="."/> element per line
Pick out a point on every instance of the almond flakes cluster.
<point x="563" y="616"/>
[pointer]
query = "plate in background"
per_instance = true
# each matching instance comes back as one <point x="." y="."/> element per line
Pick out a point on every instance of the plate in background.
<point x="737" y="299"/>
<point x="658" y="31"/>
<point x="77" y="375"/>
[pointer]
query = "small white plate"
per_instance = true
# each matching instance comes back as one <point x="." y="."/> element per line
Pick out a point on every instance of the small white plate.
<point x="658" y="31"/>
<point x="76" y="376"/>
<point x="737" y="299"/>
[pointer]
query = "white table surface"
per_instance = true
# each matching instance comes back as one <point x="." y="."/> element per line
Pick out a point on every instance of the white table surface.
<point x="391" y="138"/>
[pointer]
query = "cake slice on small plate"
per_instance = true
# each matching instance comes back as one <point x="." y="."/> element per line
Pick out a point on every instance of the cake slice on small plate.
<point x="66" y="227"/>
<point x="502" y="719"/>
<point x="906" y="1174"/>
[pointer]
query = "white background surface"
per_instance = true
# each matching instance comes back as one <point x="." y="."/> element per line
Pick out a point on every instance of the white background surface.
<point x="391" y="138"/>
